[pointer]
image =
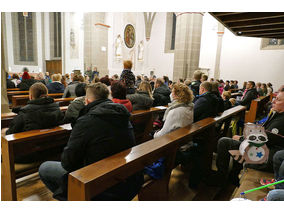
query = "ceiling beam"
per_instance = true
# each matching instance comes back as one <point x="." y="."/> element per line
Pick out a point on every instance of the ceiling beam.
<point x="260" y="28"/>
<point x="263" y="33"/>
<point x="224" y="14"/>
<point x="256" y="23"/>
<point x="250" y="16"/>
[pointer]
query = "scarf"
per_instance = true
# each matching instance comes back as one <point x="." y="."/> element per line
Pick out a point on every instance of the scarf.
<point x="175" y="104"/>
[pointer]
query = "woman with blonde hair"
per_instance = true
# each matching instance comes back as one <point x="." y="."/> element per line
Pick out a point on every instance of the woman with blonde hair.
<point x="55" y="86"/>
<point x="143" y="98"/>
<point x="180" y="111"/>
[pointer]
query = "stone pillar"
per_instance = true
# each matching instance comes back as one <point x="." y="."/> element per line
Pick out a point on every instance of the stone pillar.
<point x="220" y="34"/>
<point x="187" y="44"/>
<point x="4" y="98"/>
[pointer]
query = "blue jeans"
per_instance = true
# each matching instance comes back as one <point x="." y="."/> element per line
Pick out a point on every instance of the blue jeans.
<point x="278" y="167"/>
<point x="51" y="173"/>
<point x="276" y="195"/>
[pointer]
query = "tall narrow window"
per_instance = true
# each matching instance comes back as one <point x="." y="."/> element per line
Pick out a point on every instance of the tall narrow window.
<point x="173" y="32"/>
<point x="55" y="35"/>
<point x="24" y="38"/>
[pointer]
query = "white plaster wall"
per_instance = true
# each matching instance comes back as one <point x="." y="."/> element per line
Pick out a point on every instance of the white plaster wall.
<point x="18" y="68"/>
<point x="154" y="56"/>
<point x="71" y="64"/>
<point x="241" y="57"/>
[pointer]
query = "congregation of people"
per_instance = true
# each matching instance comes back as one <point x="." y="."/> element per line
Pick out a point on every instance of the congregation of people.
<point x="100" y="119"/>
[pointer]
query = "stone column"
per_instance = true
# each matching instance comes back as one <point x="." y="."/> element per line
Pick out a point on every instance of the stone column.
<point x="220" y="34"/>
<point x="4" y="98"/>
<point x="187" y="44"/>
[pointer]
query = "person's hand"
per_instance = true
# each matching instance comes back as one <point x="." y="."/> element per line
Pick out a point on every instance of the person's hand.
<point x="236" y="137"/>
<point x="3" y="131"/>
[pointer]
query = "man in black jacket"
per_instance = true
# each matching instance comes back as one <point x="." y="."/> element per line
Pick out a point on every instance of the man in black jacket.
<point x="250" y="95"/>
<point x="274" y="127"/>
<point x="161" y="93"/>
<point x="205" y="104"/>
<point x="194" y="85"/>
<point x="103" y="130"/>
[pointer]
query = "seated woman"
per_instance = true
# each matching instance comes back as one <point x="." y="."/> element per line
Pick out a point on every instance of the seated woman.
<point x="118" y="92"/>
<point x="226" y="97"/>
<point x="55" y="86"/>
<point x="26" y="80"/>
<point x="143" y="98"/>
<point x="41" y="112"/>
<point x="180" y="111"/>
<point x="77" y="105"/>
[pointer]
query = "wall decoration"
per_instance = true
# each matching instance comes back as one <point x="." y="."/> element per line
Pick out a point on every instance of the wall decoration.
<point x="141" y="51"/>
<point x="129" y="36"/>
<point x="118" y="47"/>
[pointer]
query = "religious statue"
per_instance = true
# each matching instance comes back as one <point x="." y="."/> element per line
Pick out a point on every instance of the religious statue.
<point x="118" y="47"/>
<point x="140" y="51"/>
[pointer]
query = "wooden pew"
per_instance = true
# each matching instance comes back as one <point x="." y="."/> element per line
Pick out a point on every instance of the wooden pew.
<point x="20" y="100"/>
<point x="12" y="93"/>
<point x="257" y="108"/>
<point x="12" y="144"/>
<point x="24" y="143"/>
<point x="93" y="179"/>
<point x="13" y="89"/>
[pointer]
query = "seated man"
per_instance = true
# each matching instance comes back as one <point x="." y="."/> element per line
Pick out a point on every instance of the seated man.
<point x="40" y="112"/>
<point x="102" y="131"/>
<point x="250" y="95"/>
<point x="194" y="86"/>
<point x="161" y="93"/>
<point x="205" y="104"/>
<point x="274" y="127"/>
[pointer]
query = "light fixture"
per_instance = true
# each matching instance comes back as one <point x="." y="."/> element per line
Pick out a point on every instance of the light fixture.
<point x="239" y="33"/>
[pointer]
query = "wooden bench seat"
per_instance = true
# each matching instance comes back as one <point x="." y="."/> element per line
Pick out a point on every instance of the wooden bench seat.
<point x="13" y="89"/>
<point x="257" y="107"/>
<point x="93" y="179"/>
<point x="21" y="100"/>
<point x="12" y="93"/>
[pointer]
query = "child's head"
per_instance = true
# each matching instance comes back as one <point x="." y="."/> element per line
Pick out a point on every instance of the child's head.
<point x="226" y="95"/>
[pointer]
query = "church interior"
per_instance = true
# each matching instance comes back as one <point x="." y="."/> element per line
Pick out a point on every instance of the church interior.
<point x="237" y="47"/>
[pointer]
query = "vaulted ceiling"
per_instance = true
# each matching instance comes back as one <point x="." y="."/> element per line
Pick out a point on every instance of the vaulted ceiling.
<point x="253" y="24"/>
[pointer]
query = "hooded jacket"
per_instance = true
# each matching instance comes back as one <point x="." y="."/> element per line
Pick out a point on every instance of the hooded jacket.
<point x="161" y="96"/>
<point x="102" y="131"/>
<point x="124" y="102"/>
<point x="74" y="109"/>
<point x="40" y="113"/>
<point x="140" y="100"/>
<point x="205" y="105"/>
<point x="250" y="95"/>
<point x="55" y="87"/>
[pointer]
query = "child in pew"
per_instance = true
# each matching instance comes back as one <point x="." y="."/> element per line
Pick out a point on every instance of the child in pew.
<point x="74" y="108"/>
<point x="278" y="167"/>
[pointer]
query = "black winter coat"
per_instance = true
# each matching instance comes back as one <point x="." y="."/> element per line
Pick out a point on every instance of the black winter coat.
<point x="250" y="95"/>
<point x="26" y="84"/>
<point x="40" y="113"/>
<point x="10" y="84"/>
<point x="206" y="105"/>
<point x="102" y="131"/>
<point x="140" y="100"/>
<point x="220" y="101"/>
<point x="194" y="86"/>
<point x="161" y="96"/>
<point x="227" y="104"/>
<point x="55" y="87"/>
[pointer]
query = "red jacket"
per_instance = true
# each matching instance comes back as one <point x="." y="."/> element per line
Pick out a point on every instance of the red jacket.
<point x="125" y="102"/>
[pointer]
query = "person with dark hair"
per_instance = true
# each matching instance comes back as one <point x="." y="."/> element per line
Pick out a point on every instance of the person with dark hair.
<point x="16" y="79"/>
<point x="194" y="86"/>
<point x="232" y="84"/>
<point x="27" y="81"/>
<point x="152" y="81"/>
<point x="227" y="86"/>
<point x="9" y="83"/>
<point x="220" y="102"/>
<point x="138" y="81"/>
<point x="103" y="130"/>
<point x="105" y="80"/>
<point x="128" y="77"/>
<point x="249" y="95"/>
<point x="161" y="93"/>
<point x="118" y="92"/>
<point x="40" y="112"/>
<point x="70" y="89"/>
<point x="76" y="105"/>
<point x="166" y="80"/>
<point x="258" y="89"/>
<point x="205" y="78"/>
<point x="236" y="84"/>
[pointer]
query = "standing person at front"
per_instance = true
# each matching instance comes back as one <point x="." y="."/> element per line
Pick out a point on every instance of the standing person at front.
<point x="128" y="77"/>
<point x="102" y="131"/>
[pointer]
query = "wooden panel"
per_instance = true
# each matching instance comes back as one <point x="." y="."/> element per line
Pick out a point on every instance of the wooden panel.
<point x="53" y="66"/>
